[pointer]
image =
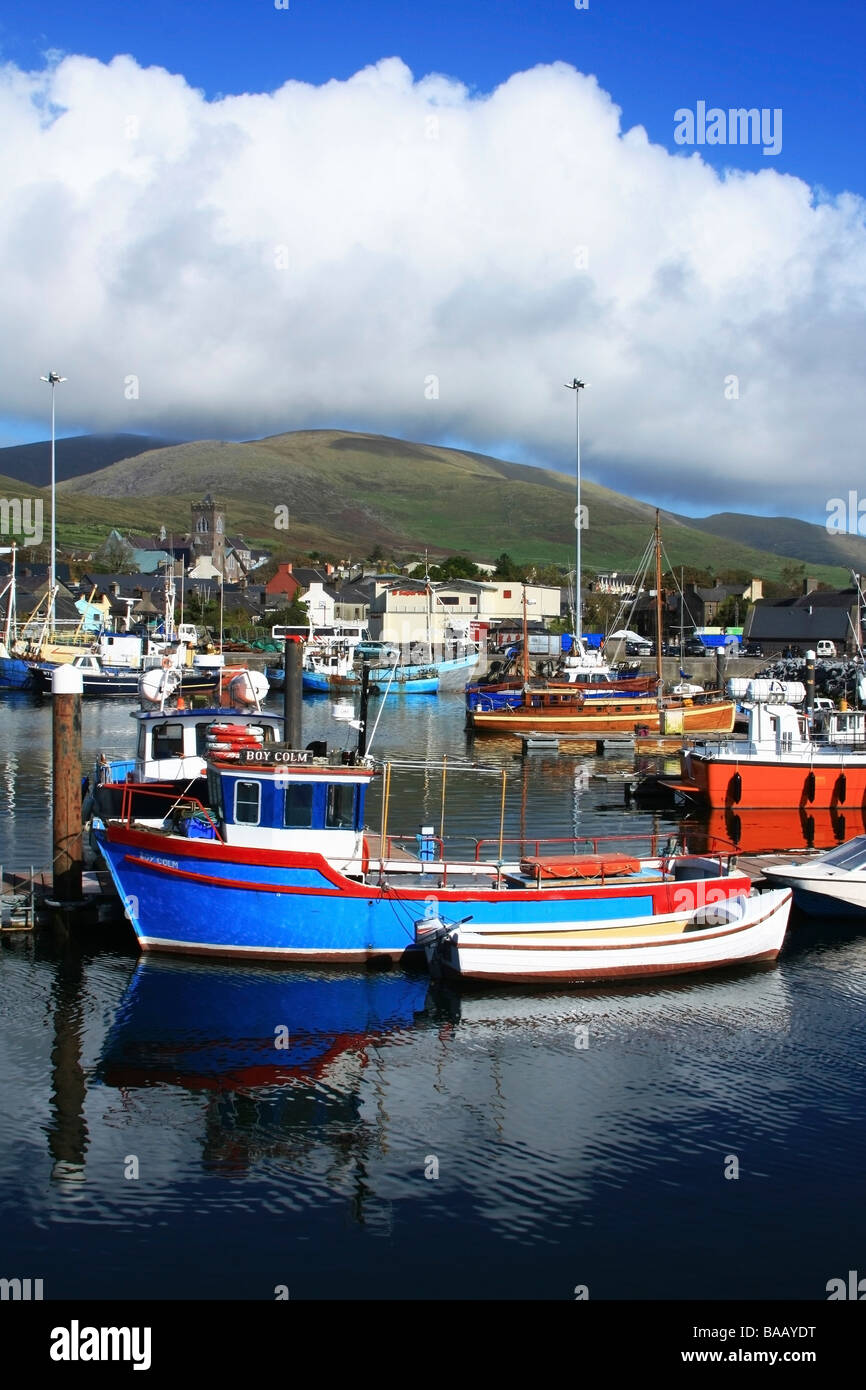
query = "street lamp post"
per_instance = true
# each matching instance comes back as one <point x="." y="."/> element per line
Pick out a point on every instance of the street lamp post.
<point x="577" y="386"/>
<point x="53" y="379"/>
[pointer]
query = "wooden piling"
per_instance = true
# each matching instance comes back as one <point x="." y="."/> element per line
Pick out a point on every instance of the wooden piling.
<point x="67" y="685"/>
<point x="292" y="661"/>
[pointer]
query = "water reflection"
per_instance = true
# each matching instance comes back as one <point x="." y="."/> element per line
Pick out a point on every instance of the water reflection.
<point x="284" y="1055"/>
<point x="763" y="832"/>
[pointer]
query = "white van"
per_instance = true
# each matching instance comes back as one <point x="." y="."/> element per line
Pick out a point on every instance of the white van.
<point x="826" y="649"/>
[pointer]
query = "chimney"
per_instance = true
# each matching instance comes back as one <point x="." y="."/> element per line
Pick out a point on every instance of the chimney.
<point x="288" y="566"/>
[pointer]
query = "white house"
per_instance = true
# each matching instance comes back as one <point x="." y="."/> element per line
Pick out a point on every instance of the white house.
<point x="319" y="603"/>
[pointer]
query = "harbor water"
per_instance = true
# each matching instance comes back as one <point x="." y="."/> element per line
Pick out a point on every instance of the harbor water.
<point x="179" y="1130"/>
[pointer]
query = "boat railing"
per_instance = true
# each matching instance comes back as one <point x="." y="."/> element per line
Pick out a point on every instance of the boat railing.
<point x="441" y="856"/>
<point x="590" y="844"/>
<point x="133" y="790"/>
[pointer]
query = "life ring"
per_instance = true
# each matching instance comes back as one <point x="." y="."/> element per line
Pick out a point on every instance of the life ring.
<point x="166" y="663"/>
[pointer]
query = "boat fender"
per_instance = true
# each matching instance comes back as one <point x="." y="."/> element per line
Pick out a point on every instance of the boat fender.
<point x="809" y="787"/>
<point x="841" y="787"/>
<point x="736" y="787"/>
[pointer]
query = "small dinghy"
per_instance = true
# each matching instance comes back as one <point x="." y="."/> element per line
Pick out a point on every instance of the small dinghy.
<point x="736" y="931"/>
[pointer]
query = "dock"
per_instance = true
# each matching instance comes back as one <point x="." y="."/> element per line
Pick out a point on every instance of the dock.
<point x="755" y="864"/>
<point x="27" y="898"/>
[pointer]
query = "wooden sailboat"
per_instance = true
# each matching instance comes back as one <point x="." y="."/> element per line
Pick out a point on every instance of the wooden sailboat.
<point x="576" y="714"/>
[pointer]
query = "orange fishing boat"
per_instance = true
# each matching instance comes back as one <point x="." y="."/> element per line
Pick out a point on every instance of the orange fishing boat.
<point x="782" y="763"/>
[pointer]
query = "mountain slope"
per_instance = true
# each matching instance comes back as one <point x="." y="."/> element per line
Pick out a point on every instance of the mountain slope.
<point x="785" y="535"/>
<point x="31" y="463"/>
<point x="347" y="492"/>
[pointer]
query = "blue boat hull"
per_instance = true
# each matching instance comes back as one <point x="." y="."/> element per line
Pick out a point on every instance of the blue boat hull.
<point x="15" y="674"/>
<point x="206" y="898"/>
<point x="407" y="679"/>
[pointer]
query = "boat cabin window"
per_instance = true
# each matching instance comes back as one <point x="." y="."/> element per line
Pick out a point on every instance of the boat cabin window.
<point x="340" y="806"/>
<point x="215" y="793"/>
<point x="298" y="811"/>
<point x="248" y="797"/>
<point x="168" y="740"/>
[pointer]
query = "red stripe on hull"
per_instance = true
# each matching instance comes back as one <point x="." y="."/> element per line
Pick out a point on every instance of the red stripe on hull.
<point x="155" y="843"/>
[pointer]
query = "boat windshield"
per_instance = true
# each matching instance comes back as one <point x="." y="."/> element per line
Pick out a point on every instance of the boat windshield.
<point x="851" y="855"/>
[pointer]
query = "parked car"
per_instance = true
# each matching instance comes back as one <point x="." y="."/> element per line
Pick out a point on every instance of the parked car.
<point x="694" y="647"/>
<point x="753" y="649"/>
<point x="639" y="649"/>
<point x="825" y="648"/>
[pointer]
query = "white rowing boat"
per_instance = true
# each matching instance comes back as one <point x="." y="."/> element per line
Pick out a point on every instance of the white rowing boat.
<point x="737" y="931"/>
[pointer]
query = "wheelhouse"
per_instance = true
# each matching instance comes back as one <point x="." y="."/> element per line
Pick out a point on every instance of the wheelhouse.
<point x="281" y="798"/>
<point x="172" y="744"/>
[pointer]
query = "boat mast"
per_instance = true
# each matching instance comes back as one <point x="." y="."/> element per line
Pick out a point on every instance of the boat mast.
<point x="659" y="675"/>
<point x="53" y="379"/>
<point x="11" y="615"/>
<point x="525" y="640"/>
<point x="577" y="386"/>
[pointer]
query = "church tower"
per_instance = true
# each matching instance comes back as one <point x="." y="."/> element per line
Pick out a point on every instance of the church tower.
<point x="208" y="531"/>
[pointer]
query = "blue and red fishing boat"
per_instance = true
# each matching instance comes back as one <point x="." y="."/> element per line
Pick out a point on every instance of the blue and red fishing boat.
<point x="281" y="867"/>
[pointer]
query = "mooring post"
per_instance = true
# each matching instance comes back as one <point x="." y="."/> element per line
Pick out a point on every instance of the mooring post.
<point x="362" y="713"/>
<point x="810" y="685"/>
<point x="292" y="692"/>
<point x="67" y="684"/>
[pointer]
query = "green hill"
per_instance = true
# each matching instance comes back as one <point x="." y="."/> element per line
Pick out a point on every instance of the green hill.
<point x="346" y="493"/>
<point x="785" y="535"/>
<point x="83" y="453"/>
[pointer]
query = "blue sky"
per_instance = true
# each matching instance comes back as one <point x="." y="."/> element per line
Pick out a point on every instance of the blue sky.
<point x="802" y="56"/>
<point x="652" y="59"/>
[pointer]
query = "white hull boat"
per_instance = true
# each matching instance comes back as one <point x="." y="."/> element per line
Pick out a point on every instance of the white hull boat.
<point x="831" y="884"/>
<point x="737" y="931"/>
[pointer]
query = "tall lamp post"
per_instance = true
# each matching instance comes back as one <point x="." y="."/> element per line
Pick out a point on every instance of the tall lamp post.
<point x="53" y="379"/>
<point x="577" y="386"/>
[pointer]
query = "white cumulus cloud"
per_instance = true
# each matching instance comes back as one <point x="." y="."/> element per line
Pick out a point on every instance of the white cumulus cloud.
<point x="406" y="257"/>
